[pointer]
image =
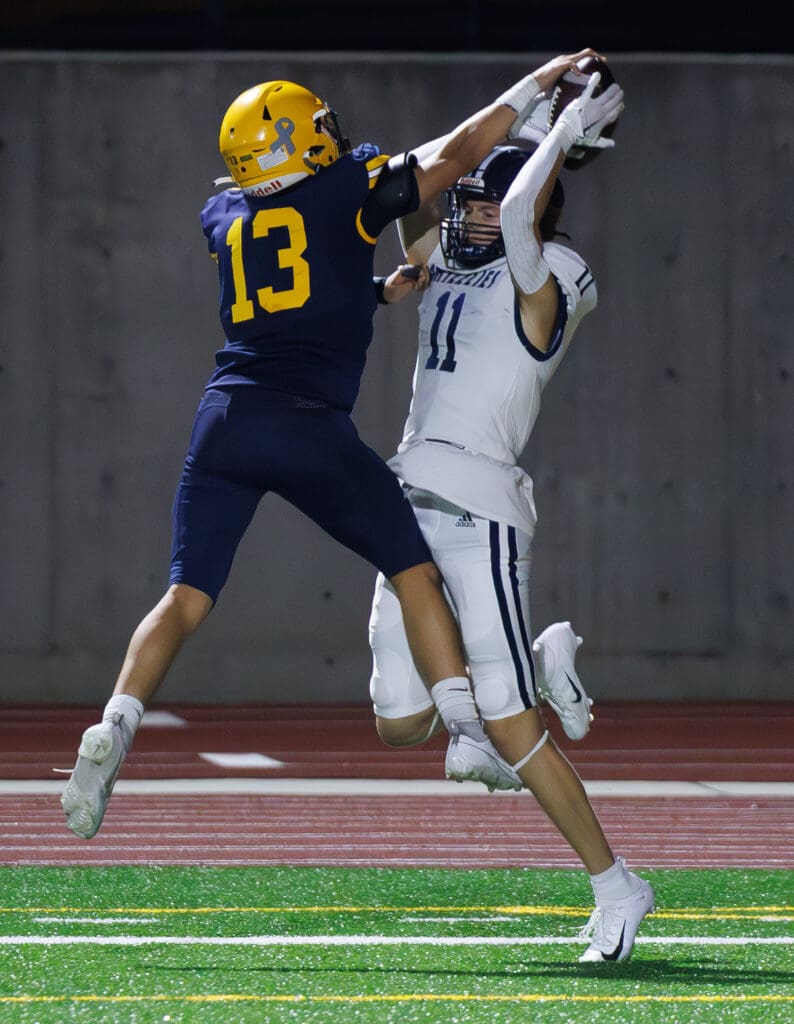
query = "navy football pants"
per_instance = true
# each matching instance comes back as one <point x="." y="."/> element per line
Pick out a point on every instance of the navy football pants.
<point x="247" y="441"/>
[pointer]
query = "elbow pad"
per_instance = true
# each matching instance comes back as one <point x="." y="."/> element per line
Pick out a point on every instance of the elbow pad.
<point x="396" y="190"/>
<point x="395" y="194"/>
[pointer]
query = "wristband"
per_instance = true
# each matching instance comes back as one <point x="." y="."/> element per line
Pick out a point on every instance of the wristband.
<point x="379" y="283"/>
<point x="520" y="95"/>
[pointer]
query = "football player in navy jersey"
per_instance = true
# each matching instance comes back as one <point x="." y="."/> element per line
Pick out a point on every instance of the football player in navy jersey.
<point x="294" y="238"/>
<point x="502" y="300"/>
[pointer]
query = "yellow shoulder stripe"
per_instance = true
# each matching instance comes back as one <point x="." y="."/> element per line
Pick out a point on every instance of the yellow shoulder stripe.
<point x="362" y="232"/>
<point x="377" y="161"/>
<point x="374" y="167"/>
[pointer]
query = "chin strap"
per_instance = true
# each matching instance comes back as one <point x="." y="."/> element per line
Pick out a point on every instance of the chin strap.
<point x="531" y="754"/>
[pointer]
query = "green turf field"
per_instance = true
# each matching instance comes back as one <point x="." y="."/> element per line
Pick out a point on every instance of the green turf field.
<point x="233" y="946"/>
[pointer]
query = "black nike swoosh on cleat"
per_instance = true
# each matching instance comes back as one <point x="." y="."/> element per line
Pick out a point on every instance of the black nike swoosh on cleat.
<point x="575" y="689"/>
<point x="618" y="949"/>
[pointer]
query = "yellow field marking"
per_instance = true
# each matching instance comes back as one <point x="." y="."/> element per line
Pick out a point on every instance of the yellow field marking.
<point x="518" y="911"/>
<point x="678" y="914"/>
<point x="535" y="997"/>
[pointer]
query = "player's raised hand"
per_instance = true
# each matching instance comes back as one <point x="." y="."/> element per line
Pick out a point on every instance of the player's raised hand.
<point x="589" y="114"/>
<point x="548" y="74"/>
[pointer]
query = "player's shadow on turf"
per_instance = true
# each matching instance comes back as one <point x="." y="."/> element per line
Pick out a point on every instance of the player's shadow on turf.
<point x="691" y="972"/>
<point x="684" y="972"/>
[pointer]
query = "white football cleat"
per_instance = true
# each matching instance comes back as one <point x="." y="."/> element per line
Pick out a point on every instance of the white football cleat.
<point x="613" y="925"/>
<point x="471" y="757"/>
<point x="557" y="681"/>
<point x="99" y="758"/>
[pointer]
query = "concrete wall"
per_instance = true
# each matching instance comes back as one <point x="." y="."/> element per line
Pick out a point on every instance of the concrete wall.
<point x="662" y="461"/>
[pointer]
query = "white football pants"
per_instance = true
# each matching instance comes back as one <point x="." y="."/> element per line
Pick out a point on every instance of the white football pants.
<point x="485" y="566"/>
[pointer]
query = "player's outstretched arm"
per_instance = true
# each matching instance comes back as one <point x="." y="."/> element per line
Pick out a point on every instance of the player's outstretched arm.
<point x="526" y="200"/>
<point x="443" y="161"/>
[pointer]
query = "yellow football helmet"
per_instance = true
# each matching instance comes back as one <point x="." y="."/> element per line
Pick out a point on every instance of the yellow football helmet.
<point x="277" y="133"/>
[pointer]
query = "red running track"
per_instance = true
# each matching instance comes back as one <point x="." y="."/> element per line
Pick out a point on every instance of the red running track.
<point x="404" y="831"/>
<point x="658" y="742"/>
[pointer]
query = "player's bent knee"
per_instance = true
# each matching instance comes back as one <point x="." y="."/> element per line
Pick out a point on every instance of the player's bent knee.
<point x="191" y="605"/>
<point x="406" y="732"/>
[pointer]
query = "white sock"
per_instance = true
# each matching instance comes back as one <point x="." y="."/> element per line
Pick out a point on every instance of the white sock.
<point x="132" y="710"/>
<point x="454" y="700"/>
<point x="615" y="883"/>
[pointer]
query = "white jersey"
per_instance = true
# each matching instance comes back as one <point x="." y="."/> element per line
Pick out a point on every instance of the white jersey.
<point x="478" y="383"/>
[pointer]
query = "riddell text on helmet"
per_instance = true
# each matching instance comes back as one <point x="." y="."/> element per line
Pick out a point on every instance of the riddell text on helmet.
<point x="265" y="188"/>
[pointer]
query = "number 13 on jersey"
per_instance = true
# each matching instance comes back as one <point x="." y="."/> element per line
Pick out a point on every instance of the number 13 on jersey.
<point x="289" y="257"/>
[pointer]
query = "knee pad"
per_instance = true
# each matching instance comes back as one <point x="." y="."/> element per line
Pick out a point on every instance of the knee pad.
<point x="395" y="688"/>
<point x="496" y="694"/>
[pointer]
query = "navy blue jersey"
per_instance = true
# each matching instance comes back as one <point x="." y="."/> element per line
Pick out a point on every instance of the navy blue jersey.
<point x="295" y="268"/>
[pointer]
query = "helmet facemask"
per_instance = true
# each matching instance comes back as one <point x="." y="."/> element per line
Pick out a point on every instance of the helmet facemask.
<point x="472" y="244"/>
<point x="467" y="243"/>
<point x="326" y="123"/>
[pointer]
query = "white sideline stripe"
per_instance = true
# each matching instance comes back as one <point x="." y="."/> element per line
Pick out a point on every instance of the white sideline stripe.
<point x="371" y="940"/>
<point x="397" y="787"/>
<point x="162" y="720"/>
<point x="242" y="760"/>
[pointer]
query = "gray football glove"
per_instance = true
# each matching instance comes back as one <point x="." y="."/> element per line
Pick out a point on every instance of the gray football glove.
<point x="532" y="123"/>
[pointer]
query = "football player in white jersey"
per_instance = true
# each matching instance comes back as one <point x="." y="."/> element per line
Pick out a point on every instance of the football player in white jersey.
<point x="501" y="302"/>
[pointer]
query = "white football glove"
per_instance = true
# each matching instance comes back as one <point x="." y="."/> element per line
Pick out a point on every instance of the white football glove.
<point x="587" y="116"/>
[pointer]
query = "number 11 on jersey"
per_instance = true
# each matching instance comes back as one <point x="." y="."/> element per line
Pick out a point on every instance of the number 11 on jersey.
<point x="448" y="364"/>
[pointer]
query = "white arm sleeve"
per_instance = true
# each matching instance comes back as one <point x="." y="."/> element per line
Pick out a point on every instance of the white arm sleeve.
<point x="524" y="254"/>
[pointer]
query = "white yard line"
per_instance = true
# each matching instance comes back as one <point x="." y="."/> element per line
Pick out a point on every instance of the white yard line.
<point x="371" y="940"/>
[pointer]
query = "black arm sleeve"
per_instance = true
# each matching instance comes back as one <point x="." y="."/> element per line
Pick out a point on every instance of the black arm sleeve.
<point x="396" y="194"/>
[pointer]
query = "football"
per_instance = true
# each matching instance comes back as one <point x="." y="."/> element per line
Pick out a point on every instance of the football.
<point x="568" y="87"/>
